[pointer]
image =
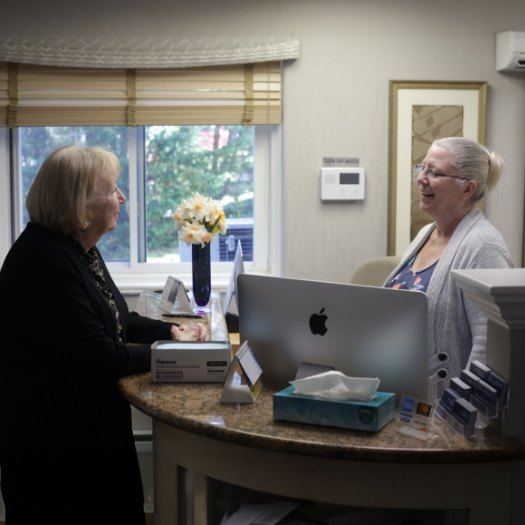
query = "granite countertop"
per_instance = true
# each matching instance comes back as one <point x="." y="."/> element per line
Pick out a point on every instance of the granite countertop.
<point x="195" y="407"/>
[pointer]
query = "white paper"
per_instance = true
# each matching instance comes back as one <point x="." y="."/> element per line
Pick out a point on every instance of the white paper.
<point x="335" y="385"/>
<point x="249" y="364"/>
<point x="230" y="302"/>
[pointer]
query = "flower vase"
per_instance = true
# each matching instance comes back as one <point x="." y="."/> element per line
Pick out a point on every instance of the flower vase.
<point x="201" y="273"/>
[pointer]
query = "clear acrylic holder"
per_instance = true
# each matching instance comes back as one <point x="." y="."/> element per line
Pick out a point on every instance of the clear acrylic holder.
<point x="489" y="412"/>
<point x="454" y="424"/>
<point x="505" y="403"/>
<point x="414" y="432"/>
<point x="413" y="417"/>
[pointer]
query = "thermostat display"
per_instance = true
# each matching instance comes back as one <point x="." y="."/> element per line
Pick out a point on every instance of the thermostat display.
<point x="349" y="178"/>
<point x="342" y="184"/>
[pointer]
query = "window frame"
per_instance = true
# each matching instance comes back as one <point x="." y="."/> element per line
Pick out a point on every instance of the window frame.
<point x="136" y="275"/>
<point x="6" y="198"/>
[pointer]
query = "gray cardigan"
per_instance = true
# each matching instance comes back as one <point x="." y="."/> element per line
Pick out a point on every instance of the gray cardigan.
<point x="455" y="325"/>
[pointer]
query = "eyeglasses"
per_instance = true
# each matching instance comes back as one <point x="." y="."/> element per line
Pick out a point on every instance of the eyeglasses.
<point x="434" y="175"/>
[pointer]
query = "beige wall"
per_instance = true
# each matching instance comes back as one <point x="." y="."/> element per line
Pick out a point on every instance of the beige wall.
<point x="336" y="96"/>
<point x="354" y="49"/>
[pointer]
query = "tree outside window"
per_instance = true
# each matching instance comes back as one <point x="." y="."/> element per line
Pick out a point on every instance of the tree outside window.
<point x="216" y="161"/>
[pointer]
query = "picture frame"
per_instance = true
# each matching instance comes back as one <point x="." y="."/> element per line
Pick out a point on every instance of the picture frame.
<point x="421" y="112"/>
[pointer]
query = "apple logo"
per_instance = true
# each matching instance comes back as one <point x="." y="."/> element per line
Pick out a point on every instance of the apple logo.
<point x="318" y="323"/>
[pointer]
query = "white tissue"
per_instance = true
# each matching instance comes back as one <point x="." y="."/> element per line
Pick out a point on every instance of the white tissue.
<point x="335" y="385"/>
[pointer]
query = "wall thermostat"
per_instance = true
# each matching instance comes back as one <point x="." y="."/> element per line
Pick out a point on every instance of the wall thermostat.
<point x="342" y="184"/>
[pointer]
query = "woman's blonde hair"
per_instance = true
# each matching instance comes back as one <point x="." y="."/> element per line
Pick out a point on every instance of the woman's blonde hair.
<point x="473" y="161"/>
<point x="65" y="184"/>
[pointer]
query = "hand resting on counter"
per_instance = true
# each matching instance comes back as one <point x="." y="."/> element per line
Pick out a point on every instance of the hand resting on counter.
<point x="190" y="332"/>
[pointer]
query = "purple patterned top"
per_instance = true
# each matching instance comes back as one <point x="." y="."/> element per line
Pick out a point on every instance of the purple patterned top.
<point x="406" y="279"/>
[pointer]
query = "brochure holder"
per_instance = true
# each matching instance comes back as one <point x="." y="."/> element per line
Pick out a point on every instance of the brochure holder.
<point x="174" y="298"/>
<point x="489" y="411"/>
<point x="243" y="381"/>
<point x="484" y="396"/>
<point x="466" y="431"/>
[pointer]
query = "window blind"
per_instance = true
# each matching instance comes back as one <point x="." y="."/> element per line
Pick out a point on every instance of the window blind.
<point x="4" y="94"/>
<point x="56" y="96"/>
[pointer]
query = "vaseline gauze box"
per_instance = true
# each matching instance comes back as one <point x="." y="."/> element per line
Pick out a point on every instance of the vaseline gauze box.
<point x="344" y="413"/>
<point x="189" y="361"/>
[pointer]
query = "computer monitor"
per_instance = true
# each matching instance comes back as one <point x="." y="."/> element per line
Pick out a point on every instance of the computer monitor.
<point x="362" y="331"/>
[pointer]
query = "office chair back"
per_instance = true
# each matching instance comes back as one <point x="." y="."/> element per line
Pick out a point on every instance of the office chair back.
<point x="375" y="271"/>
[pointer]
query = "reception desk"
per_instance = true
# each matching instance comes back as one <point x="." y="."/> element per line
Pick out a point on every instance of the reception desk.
<point x="244" y="446"/>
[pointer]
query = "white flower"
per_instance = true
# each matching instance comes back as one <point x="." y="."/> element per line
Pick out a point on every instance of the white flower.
<point x="198" y="219"/>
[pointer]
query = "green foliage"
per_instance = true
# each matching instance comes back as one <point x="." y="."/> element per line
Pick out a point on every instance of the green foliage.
<point x="37" y="143"/>
<point x="216" y="161"/>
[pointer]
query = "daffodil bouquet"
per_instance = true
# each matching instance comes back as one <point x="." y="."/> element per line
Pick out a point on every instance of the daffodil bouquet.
<point x="199" y="219"/>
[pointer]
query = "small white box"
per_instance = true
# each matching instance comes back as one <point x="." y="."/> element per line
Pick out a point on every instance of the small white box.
<point x="188" y="361"/>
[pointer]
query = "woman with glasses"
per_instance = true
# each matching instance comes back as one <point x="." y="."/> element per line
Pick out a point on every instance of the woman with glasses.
<point x="67" y="453"/>
<point x="455" y="174"/>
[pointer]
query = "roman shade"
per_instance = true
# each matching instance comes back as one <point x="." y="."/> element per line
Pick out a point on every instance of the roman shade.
<point x="34" y="95"/>
<point x="72" y="79"/>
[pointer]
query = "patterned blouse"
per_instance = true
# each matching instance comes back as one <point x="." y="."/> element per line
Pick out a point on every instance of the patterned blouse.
<point x="96" y="272"/>
<point x="406" y="279"/>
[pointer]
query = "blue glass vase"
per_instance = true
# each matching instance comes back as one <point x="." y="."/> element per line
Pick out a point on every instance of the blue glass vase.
<point x="201" y="273"/>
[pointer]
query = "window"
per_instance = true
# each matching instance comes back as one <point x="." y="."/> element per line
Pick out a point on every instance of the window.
<point x="36" y="143"/>
<point x="160" y="166"/>
<point x="179" y="160"/>
<point x="212" y="129"/>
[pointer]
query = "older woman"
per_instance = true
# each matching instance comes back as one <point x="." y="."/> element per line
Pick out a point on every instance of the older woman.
<point x="454" y="175"/>
<point x="66" y="445"/>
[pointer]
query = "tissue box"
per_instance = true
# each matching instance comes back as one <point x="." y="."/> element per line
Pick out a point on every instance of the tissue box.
<point x="188" y="361"/>
<point x="357" y="415"/>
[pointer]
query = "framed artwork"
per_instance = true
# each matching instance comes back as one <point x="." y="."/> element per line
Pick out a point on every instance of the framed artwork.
<point x="421" y="112"/>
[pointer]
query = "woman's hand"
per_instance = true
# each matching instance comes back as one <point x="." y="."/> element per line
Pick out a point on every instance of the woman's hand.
<point x="190" y="332"/>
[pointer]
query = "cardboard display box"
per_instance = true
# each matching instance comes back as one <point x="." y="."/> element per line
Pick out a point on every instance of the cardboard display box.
<point x="189" y="361"/>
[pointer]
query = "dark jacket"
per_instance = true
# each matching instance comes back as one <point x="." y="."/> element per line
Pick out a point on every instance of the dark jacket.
<point x="60" y="359"/>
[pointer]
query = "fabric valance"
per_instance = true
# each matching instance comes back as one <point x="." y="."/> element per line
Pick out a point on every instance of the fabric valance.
<point x="144" y="52"/>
